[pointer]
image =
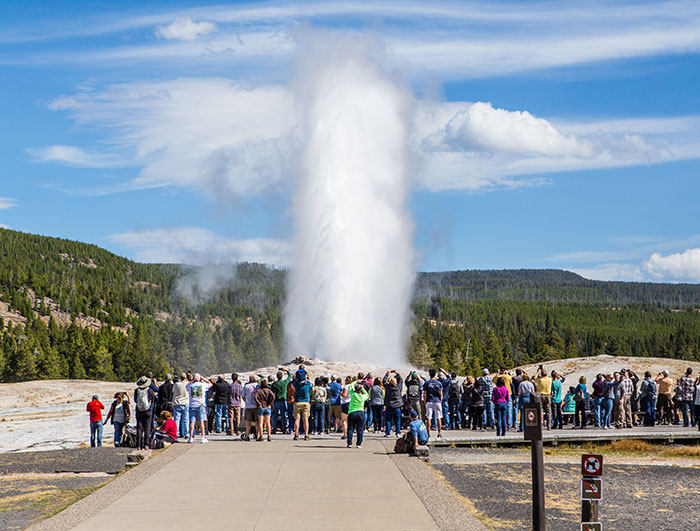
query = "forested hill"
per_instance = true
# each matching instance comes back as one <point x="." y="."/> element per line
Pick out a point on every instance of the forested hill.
<point x="72" y="310"/>
<point x="552" y="285"/>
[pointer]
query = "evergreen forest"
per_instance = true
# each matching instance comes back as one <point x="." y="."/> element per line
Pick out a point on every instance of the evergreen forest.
<point x="74" y="310"/>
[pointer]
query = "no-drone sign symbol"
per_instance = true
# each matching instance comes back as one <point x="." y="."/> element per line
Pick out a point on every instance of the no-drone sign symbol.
<point x="591" y="465"/>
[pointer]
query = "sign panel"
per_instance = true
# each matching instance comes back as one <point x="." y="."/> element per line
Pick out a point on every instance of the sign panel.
<point x="591" y="465"/>
<point x="591" y="526"/>
<point x="592" y="489"/>
<point x="533" y="421"/>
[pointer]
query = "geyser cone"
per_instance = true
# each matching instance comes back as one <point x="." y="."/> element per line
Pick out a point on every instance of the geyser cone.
<point x="352" y="272"/>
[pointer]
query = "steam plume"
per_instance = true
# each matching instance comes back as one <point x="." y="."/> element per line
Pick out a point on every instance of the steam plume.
<point x="352" y="259"/>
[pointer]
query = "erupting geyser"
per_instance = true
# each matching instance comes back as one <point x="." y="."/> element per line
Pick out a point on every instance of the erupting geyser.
<point x="352" y="263"/>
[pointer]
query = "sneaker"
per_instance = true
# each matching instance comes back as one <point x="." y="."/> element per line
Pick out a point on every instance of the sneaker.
<point x="439" y="436"/>
<point x="269" y="439"/>
<point x="296" y="437"/>
<point x="359" y="446"/>
<point x="306" y="437"/>
<point x="349" y="446"/>
<point x="190" y="440"/>
<point x="205" y="440"/>
<point x="343" y="438"/>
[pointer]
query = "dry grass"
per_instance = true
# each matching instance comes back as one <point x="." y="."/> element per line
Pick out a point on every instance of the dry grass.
<point x="629" y="447"/>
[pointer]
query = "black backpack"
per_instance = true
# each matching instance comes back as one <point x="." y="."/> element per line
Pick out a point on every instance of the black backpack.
<point x="455" y="390"/>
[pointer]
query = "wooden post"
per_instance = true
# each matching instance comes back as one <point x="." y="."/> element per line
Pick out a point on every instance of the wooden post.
<point x="589" y="511"/>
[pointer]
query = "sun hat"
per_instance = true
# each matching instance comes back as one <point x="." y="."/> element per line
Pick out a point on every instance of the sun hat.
<point x="142" y="382"/>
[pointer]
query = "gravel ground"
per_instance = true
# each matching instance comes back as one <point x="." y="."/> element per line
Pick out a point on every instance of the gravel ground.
<point x="25" y="499"/>
<point x="635" y="496"/>
<point x="107" y="459"/>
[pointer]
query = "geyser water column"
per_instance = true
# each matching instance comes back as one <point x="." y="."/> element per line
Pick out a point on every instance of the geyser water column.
<point x="352" y="260"/>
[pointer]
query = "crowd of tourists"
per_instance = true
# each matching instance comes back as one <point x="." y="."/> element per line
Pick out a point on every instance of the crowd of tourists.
<point x="188" y="406"/>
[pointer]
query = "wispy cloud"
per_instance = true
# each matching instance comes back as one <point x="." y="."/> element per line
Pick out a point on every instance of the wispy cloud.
<point x="684" y="266"/>
<point x="197" y="246"/>
<point x="185" y="29"/>
<point x="7" y="202"/>
<point x="218" y="137"/>
<point x="3" y="226"/>
<point x="454" y="39"/>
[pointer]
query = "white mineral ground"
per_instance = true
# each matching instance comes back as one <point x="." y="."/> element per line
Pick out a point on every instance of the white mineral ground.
<point x="48" y="415"/>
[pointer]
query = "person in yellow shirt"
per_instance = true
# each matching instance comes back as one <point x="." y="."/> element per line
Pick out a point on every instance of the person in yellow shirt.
<point x="543" y="385"/>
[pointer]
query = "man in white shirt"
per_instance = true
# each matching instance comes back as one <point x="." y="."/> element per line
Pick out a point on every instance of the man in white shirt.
<point x="197" y="390"/>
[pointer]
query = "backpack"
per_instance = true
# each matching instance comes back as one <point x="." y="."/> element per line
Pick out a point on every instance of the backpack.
<point x="651" y="388"/>
<point x="455" y="390"/>
<point x="142" y="401"/>
<point x="413" y="391"/>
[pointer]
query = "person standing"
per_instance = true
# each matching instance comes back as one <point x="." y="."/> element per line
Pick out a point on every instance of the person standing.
<point x="580" y="397"/>
<point x="356" y="412"/>
<point x="119" y="414"/>
<point x="515" y="385"/>
<point x="477" y="406"/>
<point x="609" y="389"/>
<point x="413" y="393"/>
<point x="647" y="395"/>
<point x="432" y="395"/>
<point x="664" y="404"/>
<point x="508" y="379"/>
<point x="318" y="403"/>
<point x="251" y="408"/>
<point x="687" y="385"/>
<point x="197" y="390"/>
<point x="181" y="409"/>
<point x="279" y="407"/>
<point x="165" y="394"/>
<point x="598" y="400"/>
<point x="525" y="390"/>
<point x="393" y="383"/>
<point x="696" y="401"/>
<point x="486" y="386"/>
<point x="376" y="403"/>
<point x="445" y="379"/>
<point x="335" y="388"/>
<point x="302" y="407"/>
<point x="465" y="408"/>
<point x="557" y="421"/>
<point x="235" y="392"/>
<point x="264" y="398"/>
<point x="144" y="403"/>
<point x="454" y="400"/>
<point x="500" y="396"/>
<point x="624" y="419"/>
<point x="95" y="407"/>
<point x="543" y="385"/>
<point x="220" y="390"/>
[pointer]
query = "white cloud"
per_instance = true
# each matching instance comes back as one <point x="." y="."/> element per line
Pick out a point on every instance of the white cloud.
<point x="612" y="271"/>
<point x="73" y="156"/>
<point x="683" y="266"/>
<point x="218" y="137"/>
<point x="7" y="202"/>
<point x="198" y="246"/>
<point x="185" y="29"/>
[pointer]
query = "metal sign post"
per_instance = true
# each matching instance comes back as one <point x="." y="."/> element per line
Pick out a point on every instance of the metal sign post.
<point x="591" y="490"/>
<point x="533" y="433"/>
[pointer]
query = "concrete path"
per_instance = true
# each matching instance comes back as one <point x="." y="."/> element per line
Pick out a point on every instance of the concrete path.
<point x="231" y="484"/>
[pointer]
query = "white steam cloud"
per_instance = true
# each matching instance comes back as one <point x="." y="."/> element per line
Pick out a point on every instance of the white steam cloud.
<point x="352" y="271"/>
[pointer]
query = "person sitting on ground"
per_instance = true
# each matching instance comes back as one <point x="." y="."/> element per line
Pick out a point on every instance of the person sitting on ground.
<point x="119" y="414"/>
<point x="264" y="399"/>
<point x="417" y="433"/>
<point x="166" y="428"/>
<point x="95" y="407"/>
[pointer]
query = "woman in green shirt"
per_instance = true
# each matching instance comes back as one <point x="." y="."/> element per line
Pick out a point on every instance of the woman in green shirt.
<point x="356" y="412"/>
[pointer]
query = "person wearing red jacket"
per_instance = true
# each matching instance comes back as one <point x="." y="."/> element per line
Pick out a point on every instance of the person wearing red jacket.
<point x="95" y="407"/>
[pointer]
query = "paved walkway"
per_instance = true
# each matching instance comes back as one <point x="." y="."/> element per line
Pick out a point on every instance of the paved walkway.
<point x="231" y="484"/>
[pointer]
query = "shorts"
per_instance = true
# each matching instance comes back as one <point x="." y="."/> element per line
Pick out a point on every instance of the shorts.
<point x="198" y="414"/>
<point x="345" y="408"/>
<point x="251" y="414"/>
<point x="264" y="412"/>
<point x="335" y="411"/>
<point x="302" y="409"/>
<point x="433" y="407"/>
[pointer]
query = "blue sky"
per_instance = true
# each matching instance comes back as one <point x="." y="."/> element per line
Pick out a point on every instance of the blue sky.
<point x="546" y="134"/>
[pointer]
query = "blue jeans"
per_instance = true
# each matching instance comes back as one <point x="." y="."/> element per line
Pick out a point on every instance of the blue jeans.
<point x="516" y="408"/>
<point x="598" y="409"/>
<point x="318" y="417"/>
<point x="647" y="405"/>
<point x="501" y="418"/>
<point x="279" y="407"/>
<point x="118" y="433"/>
<point x="608" y="403"/>
<point x="685" y="404"/>
<point x="446" y="414"/>
<point x="488" y="413"/>
<point x="509" y="412"/>
<point x="181" y="416"/>
<point x="522" y="402"/>
<point x="356" y="423"/>
<point x="454" y="414"/>
<point x="221" y="412"/>
<point x="290" y="417"/>
<point x="96" y="433"/>
<point x="393" y="416"/>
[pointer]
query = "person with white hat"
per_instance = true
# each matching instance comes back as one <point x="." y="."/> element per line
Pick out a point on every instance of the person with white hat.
<point x="144" y="401"/>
